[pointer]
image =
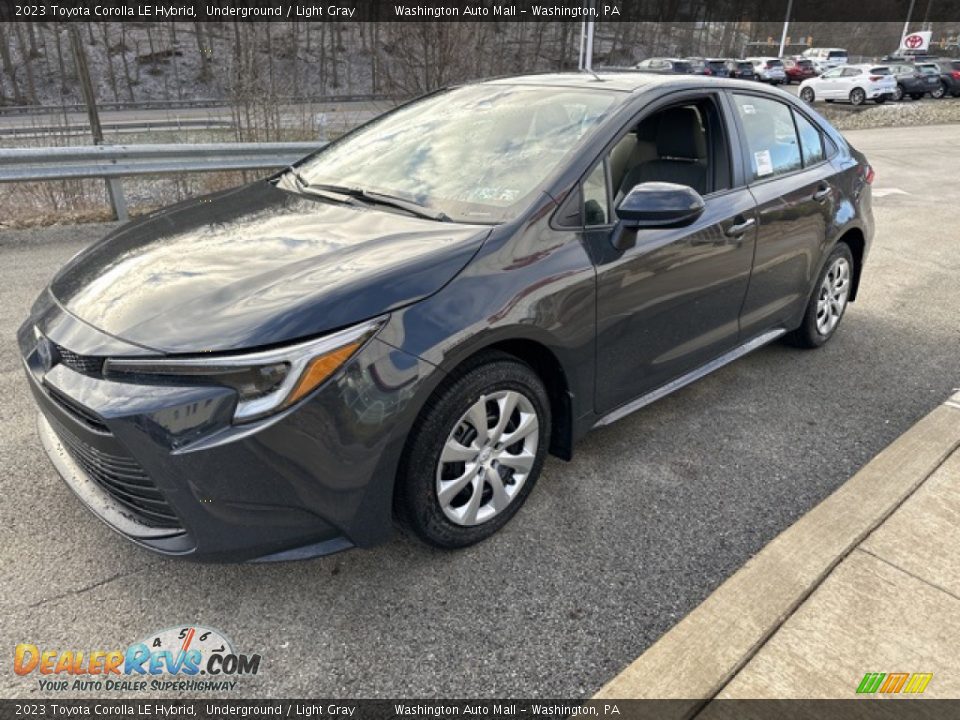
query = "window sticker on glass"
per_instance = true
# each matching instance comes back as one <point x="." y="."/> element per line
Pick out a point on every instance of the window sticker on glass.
<point x="763" y="162"/>
<point x="749" y="110"/>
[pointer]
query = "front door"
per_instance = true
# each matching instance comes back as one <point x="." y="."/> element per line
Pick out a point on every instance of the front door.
<point x="670" y="302"/>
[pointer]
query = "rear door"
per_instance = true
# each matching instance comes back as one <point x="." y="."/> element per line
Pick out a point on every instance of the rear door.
<point x="792" y="182"/>
<point x="670" y="302"/>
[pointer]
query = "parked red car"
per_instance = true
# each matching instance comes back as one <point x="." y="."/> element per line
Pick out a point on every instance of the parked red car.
<point x="799" y="69"/>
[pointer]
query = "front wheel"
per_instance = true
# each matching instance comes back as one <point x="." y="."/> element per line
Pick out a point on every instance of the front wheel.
<point x="898" y="93"/>
<point x="475" y="452"/>
<point x="857" y="96"/>
<point x="828" y="301"/>
<point x="807" y="95"/>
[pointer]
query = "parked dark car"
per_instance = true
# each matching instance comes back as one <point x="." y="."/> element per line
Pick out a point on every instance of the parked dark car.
<point x="741" y="69"/>
<point x="713" y="67"/>
<point x="671" y="66"/>
<point x="406" y="322"/>
<point x="949" y="72"/>
<point x="798" y="70"/>
<point x="913" y="82"/>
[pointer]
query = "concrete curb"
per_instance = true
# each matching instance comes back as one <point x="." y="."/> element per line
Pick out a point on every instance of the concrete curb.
<point x="706" y="649"/>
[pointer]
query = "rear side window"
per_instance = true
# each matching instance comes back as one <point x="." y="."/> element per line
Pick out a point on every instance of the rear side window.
<point x="811" y="141"/>
<point x="770" y="136"/>
<point x="880" y="71"/>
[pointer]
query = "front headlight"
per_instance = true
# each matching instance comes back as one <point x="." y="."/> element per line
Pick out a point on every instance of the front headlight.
<point x="266" y="381"/>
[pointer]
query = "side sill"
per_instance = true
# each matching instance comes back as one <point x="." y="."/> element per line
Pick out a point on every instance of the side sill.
<point x="690" y="377"/>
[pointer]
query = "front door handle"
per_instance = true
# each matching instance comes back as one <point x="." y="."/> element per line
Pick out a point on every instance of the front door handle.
<point x="822" y="193"/>
<point x="740" y="228"/>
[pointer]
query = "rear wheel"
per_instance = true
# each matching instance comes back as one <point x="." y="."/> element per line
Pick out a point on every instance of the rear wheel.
<point x="807" y="95"/>
<point x="898" y="93"/>
<point x="475" y="453"/>
<point x="828" y="302"/>
<point x="858" y="96"/>
<point x="939" y="92"/>
<point x="880" y="99"/>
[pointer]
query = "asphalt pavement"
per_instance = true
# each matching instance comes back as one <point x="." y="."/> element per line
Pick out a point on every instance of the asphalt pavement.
<point x="611" y="549"/>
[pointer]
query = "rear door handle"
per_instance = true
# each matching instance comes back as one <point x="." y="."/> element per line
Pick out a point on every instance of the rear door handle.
<point x="740" y="228"/>
<point x="822" y="194"/>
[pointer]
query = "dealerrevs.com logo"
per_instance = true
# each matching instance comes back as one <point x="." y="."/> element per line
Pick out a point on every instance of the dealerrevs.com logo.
<point x="186" y="658"/>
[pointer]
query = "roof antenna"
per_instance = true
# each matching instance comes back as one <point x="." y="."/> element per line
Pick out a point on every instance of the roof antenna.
<point x="595" y="76"/>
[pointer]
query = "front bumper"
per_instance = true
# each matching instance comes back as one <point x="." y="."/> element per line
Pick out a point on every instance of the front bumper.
<point x="163" y="466"/>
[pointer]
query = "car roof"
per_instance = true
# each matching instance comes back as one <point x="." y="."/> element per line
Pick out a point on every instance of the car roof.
<point x="630" y="81"/>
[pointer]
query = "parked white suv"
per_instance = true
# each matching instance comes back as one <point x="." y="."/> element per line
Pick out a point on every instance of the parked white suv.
<point x="856" y="83"/>
<point x="769" y="69"/>
<point x="826" y="58"/>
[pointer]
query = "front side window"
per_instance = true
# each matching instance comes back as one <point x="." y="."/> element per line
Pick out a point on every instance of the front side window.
<point x="596" y="204"/>
<point x="851" y="72"/>
<point x="477" y="153"/>
<point x="832" y="73"/>
<point x="770" y="136"/>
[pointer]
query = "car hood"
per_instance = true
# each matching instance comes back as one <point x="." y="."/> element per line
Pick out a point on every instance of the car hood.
<point x="258" y="266"/>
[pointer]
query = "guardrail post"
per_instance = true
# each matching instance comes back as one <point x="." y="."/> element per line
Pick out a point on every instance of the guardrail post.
<point x="117" y="201"/>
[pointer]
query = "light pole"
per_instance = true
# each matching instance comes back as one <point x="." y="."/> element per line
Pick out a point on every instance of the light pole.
<point x="906" y="24"/>
<point x="786" y="25"/>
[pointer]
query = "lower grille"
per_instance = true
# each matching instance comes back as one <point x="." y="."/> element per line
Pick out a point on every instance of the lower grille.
<point x="121" y="477"/>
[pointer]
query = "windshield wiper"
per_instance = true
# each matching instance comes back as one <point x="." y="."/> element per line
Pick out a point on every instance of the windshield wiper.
<point x="376" y="198"/>
<point x="331" y="192"/>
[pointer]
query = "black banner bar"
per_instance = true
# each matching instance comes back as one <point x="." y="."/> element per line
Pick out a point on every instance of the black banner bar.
<point x="473" y="10"/>
<point x="149" y="709"/>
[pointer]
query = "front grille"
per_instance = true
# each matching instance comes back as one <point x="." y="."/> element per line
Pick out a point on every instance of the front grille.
<point x="77" y="411"/>
<point x="85" y="364"/>
<point x="121" y="477"/>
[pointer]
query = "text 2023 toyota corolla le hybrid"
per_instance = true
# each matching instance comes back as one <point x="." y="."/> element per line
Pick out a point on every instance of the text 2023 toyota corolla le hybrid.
<point x="405" y="323"/>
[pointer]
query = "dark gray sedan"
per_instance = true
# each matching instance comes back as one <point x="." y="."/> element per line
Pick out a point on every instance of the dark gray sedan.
<point x="403" y="325"/>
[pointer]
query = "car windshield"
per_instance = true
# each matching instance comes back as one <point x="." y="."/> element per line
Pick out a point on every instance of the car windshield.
<point x="774" y="63"/>
<point x="929" y="69"/>
<point x="716" y="64"/>
<point x="744" y="66"/>
<point x="682" y="67"/>
<point x="475" y="154"/>
<point x="836" y="54"/>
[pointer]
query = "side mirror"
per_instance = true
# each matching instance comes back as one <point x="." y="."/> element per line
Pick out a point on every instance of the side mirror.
<point x="655" y="205"/>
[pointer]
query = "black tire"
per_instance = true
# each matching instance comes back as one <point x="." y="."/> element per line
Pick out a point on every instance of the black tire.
<point x="829" y="101"/>
<point x="807" y="95"/>
<point x="955" y="93"/>
<point x="416" y="503"/>
<point x="807" y="335"/>
<point x="898" y="93"/>
<point x="858" y="96"/>
<point x="939" y="92"/>
<point x="880" y="99"/>
<point x="916" y="96"/>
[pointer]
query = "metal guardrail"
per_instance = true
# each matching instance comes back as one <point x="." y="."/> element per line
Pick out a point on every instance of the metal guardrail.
<point x="178" y="104"/>
<point x="113" y="162"/>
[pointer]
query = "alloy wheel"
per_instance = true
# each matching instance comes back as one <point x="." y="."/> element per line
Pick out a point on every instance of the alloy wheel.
<point x="898" y="93"/>
<point x="834" y="291"/>
<point x="487" y="457"/>
<point x="857" y="96"/>
<point x="807" y="95"/>
<point x="939" y="92"/>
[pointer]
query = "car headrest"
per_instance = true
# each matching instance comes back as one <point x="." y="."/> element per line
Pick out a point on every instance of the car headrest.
<point x="680" y="135"/>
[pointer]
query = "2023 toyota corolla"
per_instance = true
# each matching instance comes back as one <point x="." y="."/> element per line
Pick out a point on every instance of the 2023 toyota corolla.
<point x="405" y="323"/>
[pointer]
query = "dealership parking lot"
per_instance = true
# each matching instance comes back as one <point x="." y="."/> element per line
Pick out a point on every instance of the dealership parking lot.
<point x="608" y="553"/>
